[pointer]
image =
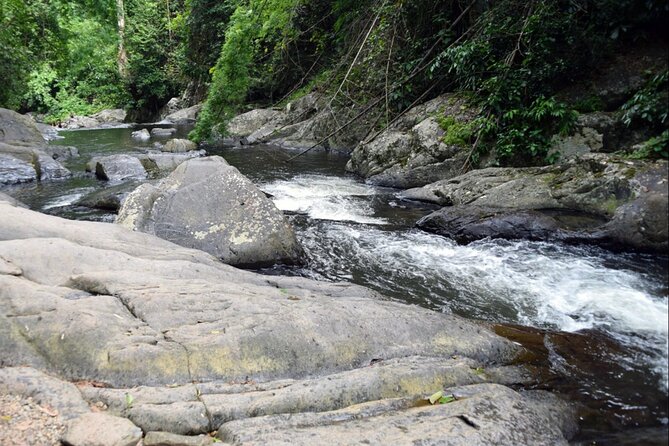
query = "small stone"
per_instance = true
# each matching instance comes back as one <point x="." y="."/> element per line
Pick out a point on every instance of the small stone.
<point x="169" y="439"/>
<point x="99" y="429"/>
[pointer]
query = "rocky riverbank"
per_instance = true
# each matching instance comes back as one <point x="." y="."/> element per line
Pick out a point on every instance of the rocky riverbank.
<point x="218" y="349"/>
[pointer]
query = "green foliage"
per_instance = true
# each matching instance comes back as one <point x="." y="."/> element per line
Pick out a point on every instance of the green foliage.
<point x="649" y="105"/>
<point x="655" y="147"/>
<point x="255" y="29"/>
<point x="456" y="133"/>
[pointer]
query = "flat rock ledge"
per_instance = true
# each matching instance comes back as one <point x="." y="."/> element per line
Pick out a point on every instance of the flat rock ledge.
<point x="99" y="320"/>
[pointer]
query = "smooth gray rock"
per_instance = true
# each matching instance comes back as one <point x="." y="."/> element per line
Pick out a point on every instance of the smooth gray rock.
<point x="49" y="169"/>
<point x="484" y="414"/>
<point x="117" y="168"/>
<point x="467" y="223"/>
<point x="207" y="204"/>
<point x="247" y="123"/>
<point x="141" y="135"/>
<point x="152" y="312"/>
<point x="104" y="118"/>
<point x="49" y="132"/>
<point x="100" y="429"/>
<point x="179" y="146"/>
<point x="168" y="439"/>
<point x="411" y="377"/>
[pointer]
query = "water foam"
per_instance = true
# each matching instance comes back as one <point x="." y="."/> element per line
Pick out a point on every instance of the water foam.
<point x="325" y="198"/>
<point x="530" y="283"/>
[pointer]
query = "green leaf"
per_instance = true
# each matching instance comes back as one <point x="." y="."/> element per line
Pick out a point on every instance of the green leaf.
<point x="434" y="398"/>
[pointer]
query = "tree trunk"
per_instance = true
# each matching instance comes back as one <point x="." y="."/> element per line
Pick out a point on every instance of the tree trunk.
<point x="122" y="58"/>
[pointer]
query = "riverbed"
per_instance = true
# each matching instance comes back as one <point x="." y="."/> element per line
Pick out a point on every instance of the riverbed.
<point x="595" y="321"/>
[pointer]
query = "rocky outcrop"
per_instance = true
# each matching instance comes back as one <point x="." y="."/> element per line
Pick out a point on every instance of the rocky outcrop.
<point x="414" y="151"/>
<point x="104" y="118"/>
<point x="177" y="342"/>
<point x="117" y="168"/>
<point x="184" y="116"/>
<point x="207" y="204"/>
<point x="597" y="197"/>
<point x="23" y="152"/>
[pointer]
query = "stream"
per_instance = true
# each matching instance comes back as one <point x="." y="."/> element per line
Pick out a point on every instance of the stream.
<point x="595" y="322"/>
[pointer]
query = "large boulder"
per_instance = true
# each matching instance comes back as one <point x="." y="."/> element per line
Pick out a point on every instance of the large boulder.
<point x="23" y="151"/>
<point x="117" y="168"/>
<point x="605" y="199"/>
<point x="178" y="342"/>
<point x="207" y="204"/>
<point x="17" y="128"/>
<point x="414" y="151"/>
<point x="245" y="124"/>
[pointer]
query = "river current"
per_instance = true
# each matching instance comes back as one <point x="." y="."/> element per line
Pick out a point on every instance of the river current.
<point x="601" y="317"/>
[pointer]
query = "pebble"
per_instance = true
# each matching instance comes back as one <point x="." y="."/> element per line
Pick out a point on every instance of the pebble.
<point x="24" y="422"/>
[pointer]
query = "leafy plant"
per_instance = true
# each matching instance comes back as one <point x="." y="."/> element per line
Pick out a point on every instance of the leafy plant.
<point x="649" y="105"/>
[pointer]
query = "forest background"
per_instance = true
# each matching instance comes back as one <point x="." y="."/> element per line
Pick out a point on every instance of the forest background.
<point x="512" y="59"/>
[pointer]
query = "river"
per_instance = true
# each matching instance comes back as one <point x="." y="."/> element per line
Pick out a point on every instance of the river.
<point x="596" y="322"/>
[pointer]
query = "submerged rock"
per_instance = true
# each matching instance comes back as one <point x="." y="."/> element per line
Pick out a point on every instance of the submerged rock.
<point x="207" y="204"/>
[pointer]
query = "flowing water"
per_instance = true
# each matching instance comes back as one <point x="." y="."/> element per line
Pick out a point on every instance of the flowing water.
<point x="596" y="322"/>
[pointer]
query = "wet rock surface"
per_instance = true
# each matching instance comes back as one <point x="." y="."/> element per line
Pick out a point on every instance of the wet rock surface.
<point x="23" y="152"/>
<point x="175" y="341"/>
<point x="207" y="204"/>
<point x="627" y="198"/>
